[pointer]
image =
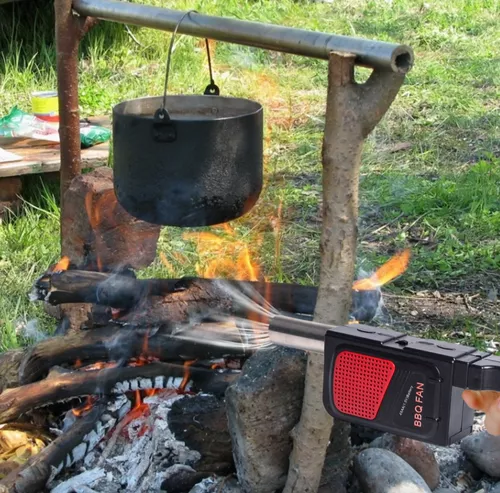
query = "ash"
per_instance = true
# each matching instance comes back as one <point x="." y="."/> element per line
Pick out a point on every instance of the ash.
<point x="457" y="473"/>
<point x="137" y="456"/>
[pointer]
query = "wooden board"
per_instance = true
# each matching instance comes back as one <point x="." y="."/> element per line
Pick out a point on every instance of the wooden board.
<point x="43" y="156"/>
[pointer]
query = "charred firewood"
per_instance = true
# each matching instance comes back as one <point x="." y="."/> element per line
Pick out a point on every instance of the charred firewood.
<point x="66" y="386"/>
<point x="126" y="292"/>
<point x="116" y="290"/>
<point x="33" y="476"/>
<point x="10" y="362"/>
<point x="115" y="343"/>
<point x="201" y="423"/>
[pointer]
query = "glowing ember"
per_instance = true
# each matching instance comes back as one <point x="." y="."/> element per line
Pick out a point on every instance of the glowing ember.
<point x="87" y="406"/>
<point x="393" y="268"/>
<point x="187" y="375"/>
<point x="63" y="264"/>
<point x="100" y="365"/>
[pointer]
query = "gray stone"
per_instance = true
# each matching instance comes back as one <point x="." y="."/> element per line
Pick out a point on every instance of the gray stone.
<point x="382" y="471"/>
<point x="495" y="488"/>
<point x="263" y="406"/>
<point x="483" y="450"/>
<point x="418" y="454"/>
<point x="444" y="490"/>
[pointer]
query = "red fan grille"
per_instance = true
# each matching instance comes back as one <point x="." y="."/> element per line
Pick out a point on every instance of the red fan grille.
<point x="360" y="382"/>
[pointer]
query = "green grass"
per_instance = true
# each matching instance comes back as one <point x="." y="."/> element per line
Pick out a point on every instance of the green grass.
<point x="440" y="196"/>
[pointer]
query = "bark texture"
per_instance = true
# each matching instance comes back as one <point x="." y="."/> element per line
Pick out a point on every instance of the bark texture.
<point x="352" y="112"/>
<point x="70" y="29"/>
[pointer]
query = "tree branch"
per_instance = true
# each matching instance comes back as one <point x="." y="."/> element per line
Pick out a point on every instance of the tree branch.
<point x="351" y="113"/>
<point x="86" y="24"/>
<point x="377" y="94"/>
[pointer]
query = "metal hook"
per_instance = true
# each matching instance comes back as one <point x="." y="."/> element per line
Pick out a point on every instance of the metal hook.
<point x="169" y="57"/>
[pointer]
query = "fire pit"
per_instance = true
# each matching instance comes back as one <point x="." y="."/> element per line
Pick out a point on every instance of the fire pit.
<point x="134" y="399"/>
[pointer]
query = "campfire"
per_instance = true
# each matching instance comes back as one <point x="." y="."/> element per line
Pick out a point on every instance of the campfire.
<point x="134" y="398"/>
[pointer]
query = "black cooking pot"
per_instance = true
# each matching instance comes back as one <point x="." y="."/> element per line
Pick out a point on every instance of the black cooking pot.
<point x="196" y="164"/>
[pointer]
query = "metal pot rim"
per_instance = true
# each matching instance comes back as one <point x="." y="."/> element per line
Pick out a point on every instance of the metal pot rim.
<point x="180" y="104"/>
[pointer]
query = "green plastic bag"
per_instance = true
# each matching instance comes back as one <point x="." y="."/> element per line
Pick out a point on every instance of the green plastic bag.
<point x="20" y="124"/>
<point x="91" y="135"/>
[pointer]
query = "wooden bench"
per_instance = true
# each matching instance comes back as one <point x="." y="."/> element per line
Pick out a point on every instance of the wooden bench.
<point x="43" y="156"/>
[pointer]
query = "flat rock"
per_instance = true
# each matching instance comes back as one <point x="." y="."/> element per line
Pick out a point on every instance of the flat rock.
<point x="263" y="406"/>
<point x="418" y="454"/>
<point x="382" y="471"/>
<point x="444" y="490"/>
<point x="483" y="450"/>
<point x="495" y="488"/>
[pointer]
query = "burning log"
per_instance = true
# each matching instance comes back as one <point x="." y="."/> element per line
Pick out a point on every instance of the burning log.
<point x="62" y="387"/>
<point x="33" y="476"/>
<point x="116" y="343"/>
<point x="182" y="295"/>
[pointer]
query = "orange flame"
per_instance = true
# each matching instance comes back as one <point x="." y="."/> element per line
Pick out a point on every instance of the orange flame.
<point x="87" y="406"/>
<point x="393" y="268"/>
<point x="143" y="359"/>
<point x="63" y="264"/>
<point x="166" y="263"/>
<point x="224" y="256"/>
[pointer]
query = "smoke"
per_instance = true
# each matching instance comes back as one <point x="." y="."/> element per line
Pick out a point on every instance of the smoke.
<point x="30" y="330"/>
<point x="366" y="305"/>
<point x="232" y="332"/>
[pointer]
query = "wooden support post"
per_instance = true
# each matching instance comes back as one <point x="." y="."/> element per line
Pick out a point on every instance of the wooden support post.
<point x="70" y="29"/>
<point x="352" y="112"/>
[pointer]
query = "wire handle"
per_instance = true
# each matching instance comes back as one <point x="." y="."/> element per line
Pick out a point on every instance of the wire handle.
<point x="212" y="89"/>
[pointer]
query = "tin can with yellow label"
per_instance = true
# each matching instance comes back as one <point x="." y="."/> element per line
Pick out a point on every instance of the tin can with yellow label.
<point x="45" y="105"/>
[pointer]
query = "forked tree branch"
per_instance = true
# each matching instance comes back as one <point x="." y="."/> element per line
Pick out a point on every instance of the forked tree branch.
<point x="352" y="111"/>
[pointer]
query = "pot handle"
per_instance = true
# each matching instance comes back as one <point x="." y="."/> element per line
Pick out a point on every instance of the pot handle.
<point x="163" y="127"/>
<point x="212" y="89"/>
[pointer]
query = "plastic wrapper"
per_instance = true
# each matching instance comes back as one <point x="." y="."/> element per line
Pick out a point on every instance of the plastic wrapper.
<point x="20" y="124"/>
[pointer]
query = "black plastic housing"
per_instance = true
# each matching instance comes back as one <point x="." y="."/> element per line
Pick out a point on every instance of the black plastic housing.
<point x="443" y="369"/>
